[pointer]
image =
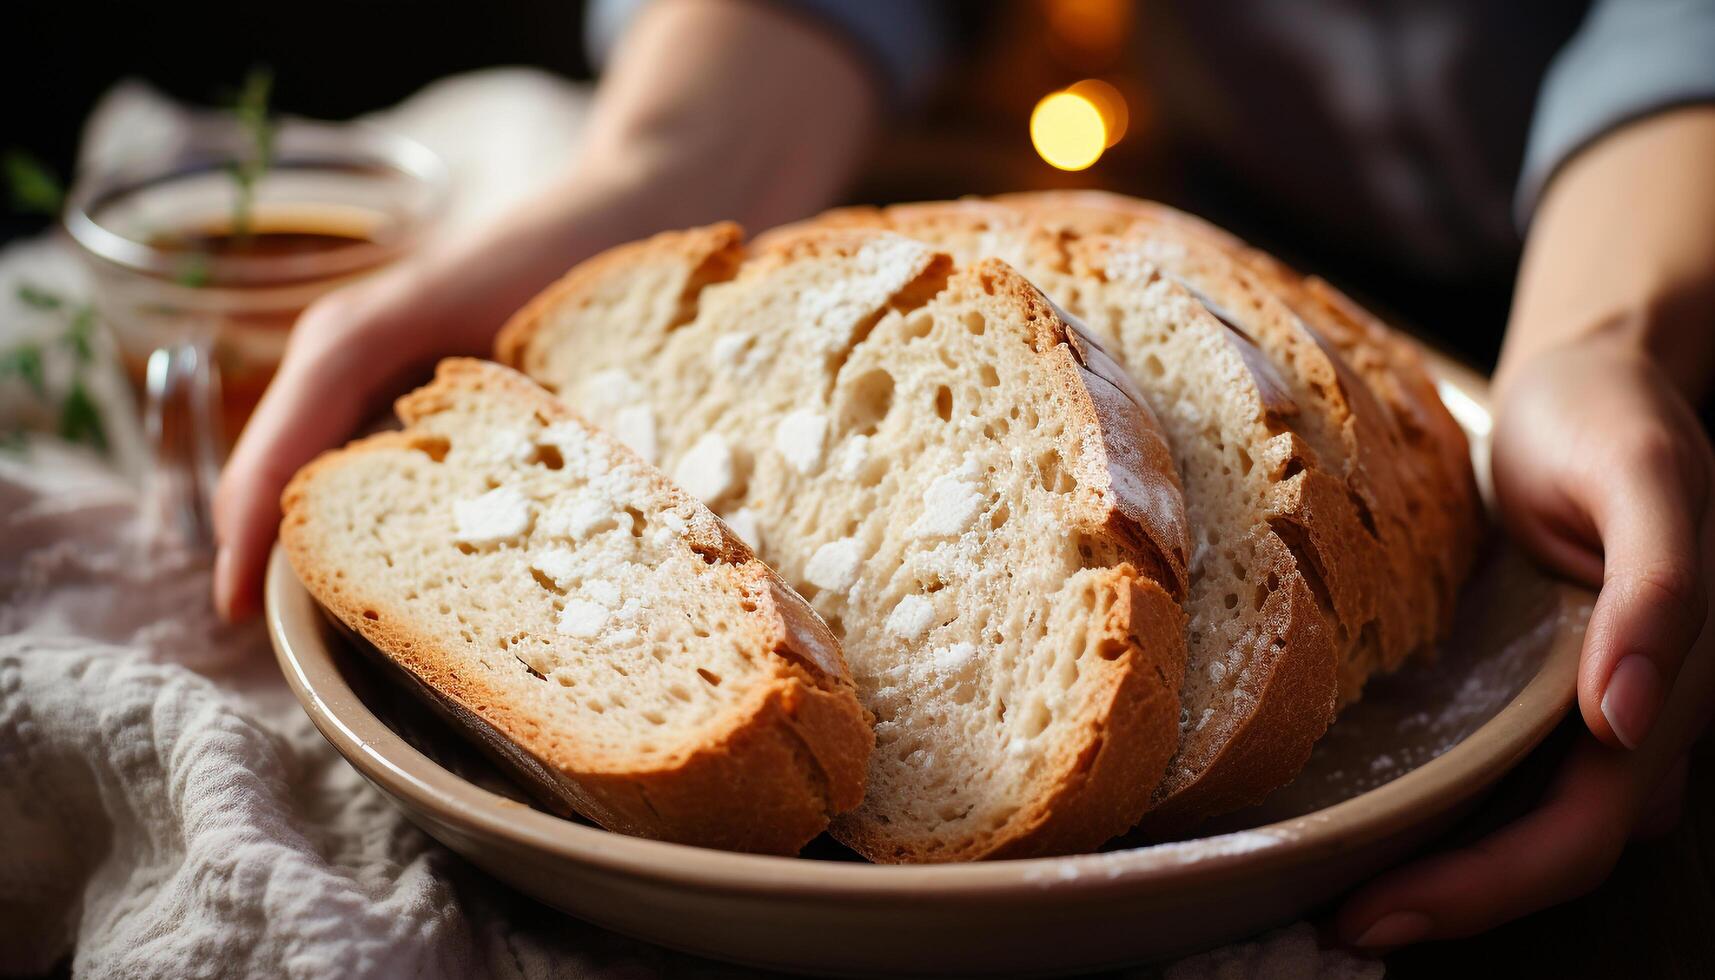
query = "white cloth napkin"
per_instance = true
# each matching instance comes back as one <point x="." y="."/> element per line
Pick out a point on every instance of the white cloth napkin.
<point x="166" y="809"/>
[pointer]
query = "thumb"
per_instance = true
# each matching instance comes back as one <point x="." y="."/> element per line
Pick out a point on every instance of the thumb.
<point x="1649" y="513"/>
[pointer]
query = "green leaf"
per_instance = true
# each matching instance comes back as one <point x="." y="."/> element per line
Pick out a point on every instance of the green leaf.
<point x="194" y="270"/>
<point x="31" y="186"/>
<point x="80" y="334"/>
<point x="251" y="109"/>
<point x="25" y="361"/>
<point x="80" y="418"/>
<point x="39" y="298"/>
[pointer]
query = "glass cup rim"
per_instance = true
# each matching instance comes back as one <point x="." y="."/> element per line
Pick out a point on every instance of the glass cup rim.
<point x="209" y="142"/>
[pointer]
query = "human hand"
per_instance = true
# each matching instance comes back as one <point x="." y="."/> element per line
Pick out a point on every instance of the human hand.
<point x="1603" y="472"/>
<point x="781" y="105"/>
<point x="348" y="353"/>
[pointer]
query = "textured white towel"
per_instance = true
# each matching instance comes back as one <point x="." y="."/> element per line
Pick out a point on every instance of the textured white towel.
<point x="166" y="809"/>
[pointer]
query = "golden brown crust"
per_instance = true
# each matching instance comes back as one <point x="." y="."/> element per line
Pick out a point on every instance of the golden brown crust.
<point x="1156" y="506"/>
<point x="767" y="779"/>
<point x="1443" y="513"/>
<point x="1135" y="504"/>
<point x="1139" y="500"/>
<point x="1440" y="515"/>
<point x="1368" y="562"/>
<point x="1453" y="512"/>
<point x="1107" y="779"/>
<point x="1294" y="690"/>
<point x="1316" y="577"/>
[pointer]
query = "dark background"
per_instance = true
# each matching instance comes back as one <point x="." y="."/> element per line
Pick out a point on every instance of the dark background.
<point x="331" y="59"/>
<point x="334" y="60"/>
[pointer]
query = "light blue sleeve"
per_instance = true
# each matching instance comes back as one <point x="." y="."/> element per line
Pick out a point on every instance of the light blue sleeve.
<point x="903" y="40"/>
<point x="1629" y="58"/>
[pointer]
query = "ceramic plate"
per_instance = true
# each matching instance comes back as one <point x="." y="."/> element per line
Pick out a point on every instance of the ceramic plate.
<point x="1396" y="768"/>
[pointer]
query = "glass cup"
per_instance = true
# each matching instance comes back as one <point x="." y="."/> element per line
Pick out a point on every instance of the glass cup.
<point x="201" y="289"/>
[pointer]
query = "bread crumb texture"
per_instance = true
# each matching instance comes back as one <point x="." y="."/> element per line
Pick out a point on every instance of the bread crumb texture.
<point x="562" y="596"/>
<point x="921" y="452"/>
<point x="1329" y="503"/>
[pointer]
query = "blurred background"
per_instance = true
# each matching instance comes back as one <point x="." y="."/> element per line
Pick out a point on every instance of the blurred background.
<point x="1072" y="65"/>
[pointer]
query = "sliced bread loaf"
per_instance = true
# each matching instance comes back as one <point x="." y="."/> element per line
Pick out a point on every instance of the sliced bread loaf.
<point x="971" y="493"/>
<point x="1260" y="685"/>
<point x="592" y="626"/>
<point x="1262" y="665"/>
<point x="1385" y="606"/>
<point x="1393" y="415"/>
<point x="1446" y="515"/>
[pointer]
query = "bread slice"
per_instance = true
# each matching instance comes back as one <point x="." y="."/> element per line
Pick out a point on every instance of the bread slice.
<point x="1383" y="398"/>
<point x="588" y="623"/>
<point x="1385" y="606"/>
<point x="1260" y="683"/>
<point x="966" y="487"/>
<point x="1446" y="514"/>
<point x="1263" y="661"/>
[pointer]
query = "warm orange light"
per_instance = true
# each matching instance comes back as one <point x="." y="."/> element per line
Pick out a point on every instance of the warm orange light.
<point x="1068" y="131"/>
<point x="1093" y="29"/>
<point x="1109" y="102"/>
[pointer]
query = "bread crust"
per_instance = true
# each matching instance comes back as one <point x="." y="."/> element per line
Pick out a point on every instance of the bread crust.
<point x="766" y="778"/>
<point x="1311" y="526"/>
<point x="1132" y="499"/>
<point x="1392" y="399"/>
<point x="1392" y="390"/>
<point x="1395" y="421"/>
<point x="1386" y="608"/>
<point x="1106" y="781"/>
<point x="1294" y="688"/>
<point x="1104" y="785"/>
<point x="1448" y="517"/>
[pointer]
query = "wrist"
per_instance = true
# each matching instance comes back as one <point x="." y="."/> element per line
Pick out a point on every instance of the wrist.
<point x="1652" y="331"/>
<point x="1617" y="335"/>
<point x="1627" y="262"/>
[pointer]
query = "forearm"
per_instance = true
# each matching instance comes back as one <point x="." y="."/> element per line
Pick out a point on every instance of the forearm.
<point x="711" y="109"/>
<point x="1622" y="252"/>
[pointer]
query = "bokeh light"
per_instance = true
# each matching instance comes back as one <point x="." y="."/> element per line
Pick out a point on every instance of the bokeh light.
<point x="1109" y="102"/>
<point x="1068" y="131"/>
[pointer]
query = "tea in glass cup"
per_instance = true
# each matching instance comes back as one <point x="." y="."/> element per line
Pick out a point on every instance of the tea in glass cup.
<point x="201" y="275"/>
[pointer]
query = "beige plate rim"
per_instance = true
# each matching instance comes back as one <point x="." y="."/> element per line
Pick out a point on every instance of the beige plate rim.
<point x="295" y="624"/>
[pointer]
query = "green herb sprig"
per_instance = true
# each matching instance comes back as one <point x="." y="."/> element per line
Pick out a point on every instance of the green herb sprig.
<point x="254" y="118"/>
<point x="79" y="418"/>
<point x="31" y="188"/>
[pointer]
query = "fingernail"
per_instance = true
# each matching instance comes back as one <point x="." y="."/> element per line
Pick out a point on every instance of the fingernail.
<point x="1395" y="929"/>
<point x="1631" y="700"/>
